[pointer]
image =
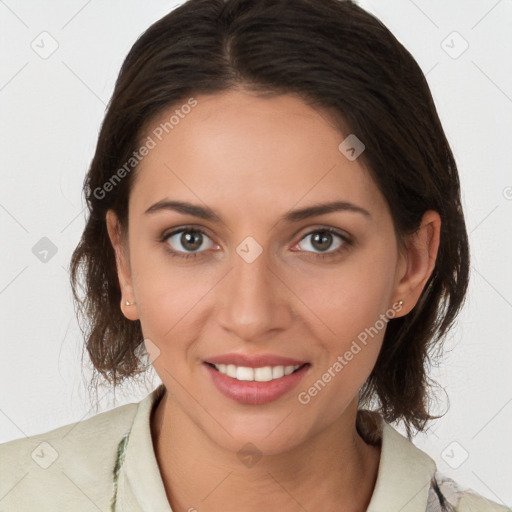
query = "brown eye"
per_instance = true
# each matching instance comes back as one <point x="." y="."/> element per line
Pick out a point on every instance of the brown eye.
<point x="325" y="243"/>
<point x="187" y="241"/>
<point x="191" y="240"/>
<point x="322" y="240"/>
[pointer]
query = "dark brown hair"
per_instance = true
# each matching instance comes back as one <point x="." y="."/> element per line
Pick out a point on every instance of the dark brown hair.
<point x="337" y="57"/>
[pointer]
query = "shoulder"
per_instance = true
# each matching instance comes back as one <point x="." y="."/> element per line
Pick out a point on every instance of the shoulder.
<point x="446" y="495"/>
<point x="57" y="468"/>
<point x="408" y="478"/>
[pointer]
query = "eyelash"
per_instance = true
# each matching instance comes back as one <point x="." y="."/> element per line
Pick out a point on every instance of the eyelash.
<point x="327" y="255"/>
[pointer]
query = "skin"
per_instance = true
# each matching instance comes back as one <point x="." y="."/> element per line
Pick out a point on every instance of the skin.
<point x="251" y="160"/>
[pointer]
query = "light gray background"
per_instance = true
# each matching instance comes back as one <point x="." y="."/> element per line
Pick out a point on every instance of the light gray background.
<point x="50" y="112"/>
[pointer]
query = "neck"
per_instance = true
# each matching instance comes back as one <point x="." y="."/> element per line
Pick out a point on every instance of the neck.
<point x="334" y="470"/>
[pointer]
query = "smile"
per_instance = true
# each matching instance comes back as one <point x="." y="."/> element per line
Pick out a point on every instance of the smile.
<point x="261" y="374"/>
<point x="266" y="379"/>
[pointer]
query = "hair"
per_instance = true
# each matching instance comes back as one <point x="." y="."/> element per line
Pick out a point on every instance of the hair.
<point x="339" y="59"/>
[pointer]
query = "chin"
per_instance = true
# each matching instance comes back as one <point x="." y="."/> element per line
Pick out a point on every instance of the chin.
<point x="272" y="431"/>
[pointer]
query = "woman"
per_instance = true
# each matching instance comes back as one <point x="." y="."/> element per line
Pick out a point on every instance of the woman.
<point x="274" y="214"/>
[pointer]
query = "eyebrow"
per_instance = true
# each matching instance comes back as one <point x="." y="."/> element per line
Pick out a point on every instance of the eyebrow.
<point x="204" y="212"/>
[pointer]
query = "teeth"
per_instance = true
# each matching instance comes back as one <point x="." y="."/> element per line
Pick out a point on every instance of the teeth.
<point x="289" y="369"/>
<point x="277" y="372"/>
<point x="243" y="373"/>
<point x="262" y="374"/>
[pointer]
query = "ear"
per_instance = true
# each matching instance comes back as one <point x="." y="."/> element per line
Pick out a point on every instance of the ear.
<point x="120" y="246"/>
<point x="417" y="261"/>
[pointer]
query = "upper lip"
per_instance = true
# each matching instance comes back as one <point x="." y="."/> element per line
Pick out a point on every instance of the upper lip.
<point x="254" y="361"/>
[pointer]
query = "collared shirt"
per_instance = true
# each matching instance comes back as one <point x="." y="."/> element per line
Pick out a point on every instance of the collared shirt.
<point x="107" y="463"/>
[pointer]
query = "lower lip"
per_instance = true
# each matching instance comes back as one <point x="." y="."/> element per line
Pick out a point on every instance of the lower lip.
<point x="252" y="392"/>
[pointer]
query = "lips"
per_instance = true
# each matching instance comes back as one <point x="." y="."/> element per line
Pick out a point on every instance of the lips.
<point x="259" y="374"/>
<point x="255" y="379"/>
<point x="254" y="361"/>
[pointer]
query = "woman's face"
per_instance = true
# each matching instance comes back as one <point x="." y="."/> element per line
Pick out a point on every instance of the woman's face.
<point x="244" y="274"/>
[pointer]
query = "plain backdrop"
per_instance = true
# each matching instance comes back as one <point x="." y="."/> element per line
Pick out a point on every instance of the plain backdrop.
<point x="59" y="61"/>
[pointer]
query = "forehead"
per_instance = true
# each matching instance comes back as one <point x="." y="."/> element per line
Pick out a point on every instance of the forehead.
<point x="269" y="153"/>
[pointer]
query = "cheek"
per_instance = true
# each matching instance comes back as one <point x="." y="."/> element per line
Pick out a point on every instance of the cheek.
<point x="347" y="356"/>
<point x="349" y="298"/>
<point x="167" y="300"/>
<point x="349" y="305"/>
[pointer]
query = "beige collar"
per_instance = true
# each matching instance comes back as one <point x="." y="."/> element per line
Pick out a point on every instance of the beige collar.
<point x="402" y="484"/>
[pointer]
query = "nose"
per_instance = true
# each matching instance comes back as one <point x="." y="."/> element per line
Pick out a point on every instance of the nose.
<point x="254" y="300"/>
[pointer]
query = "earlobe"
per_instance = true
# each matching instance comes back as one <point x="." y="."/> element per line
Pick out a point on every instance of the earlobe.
<point x="128" y="304"/>
<point x="420" y="259"/>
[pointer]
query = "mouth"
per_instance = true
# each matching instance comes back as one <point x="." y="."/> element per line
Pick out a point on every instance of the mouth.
<point x="257" y="380"/>
<point x="258" y="374"/>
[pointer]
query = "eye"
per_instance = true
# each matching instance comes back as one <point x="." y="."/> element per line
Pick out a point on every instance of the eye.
<point x="187" y="242"/>
<point x="190" y="242"/>
<point x="322" y="240"/>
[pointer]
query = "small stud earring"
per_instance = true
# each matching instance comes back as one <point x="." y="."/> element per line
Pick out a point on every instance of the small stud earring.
<point x="128" y="303"/>
<point x="400" y="303"/>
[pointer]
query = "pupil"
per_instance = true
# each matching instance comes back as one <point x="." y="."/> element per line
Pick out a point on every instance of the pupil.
<point x="322" y="240"/>
<point x="187" y="240"/>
